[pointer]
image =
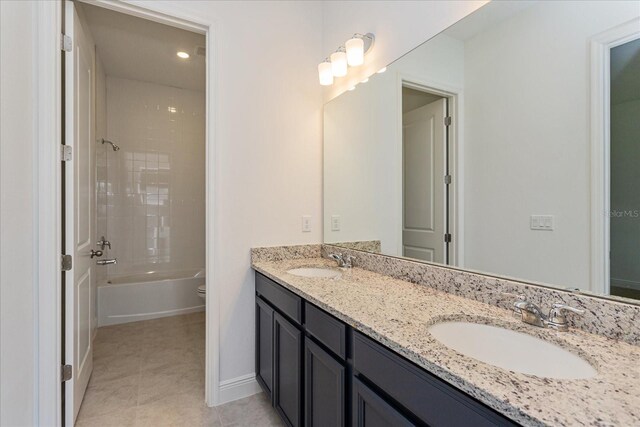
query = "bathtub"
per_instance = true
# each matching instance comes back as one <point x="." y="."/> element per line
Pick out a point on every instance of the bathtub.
<point x="150" y="295"/>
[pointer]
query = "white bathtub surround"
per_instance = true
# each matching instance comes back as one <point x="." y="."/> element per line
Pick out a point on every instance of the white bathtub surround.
<point x="151" y="195"/>
<point x="130" y="298"/>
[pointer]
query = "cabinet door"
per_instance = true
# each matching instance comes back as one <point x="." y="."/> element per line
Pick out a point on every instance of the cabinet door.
<point x="264" y="346"/>
<point x="324" y="387"/>
<point x="371" y="410"/>
<point x="287" y="397"/>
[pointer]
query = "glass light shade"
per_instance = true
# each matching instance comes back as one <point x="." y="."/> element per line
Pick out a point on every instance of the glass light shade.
<point x="355" y="51"/>
<point x="339" y="64"/>
<point x="325" y="74"/>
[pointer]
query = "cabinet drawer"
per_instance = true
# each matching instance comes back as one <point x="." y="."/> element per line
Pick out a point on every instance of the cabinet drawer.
<point x="326" y="329"/>
<point x="429" y="398"/>
<point x="284" y="300"/>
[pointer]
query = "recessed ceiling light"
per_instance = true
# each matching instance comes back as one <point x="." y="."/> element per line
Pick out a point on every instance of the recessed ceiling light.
<point x="183" y="55"/>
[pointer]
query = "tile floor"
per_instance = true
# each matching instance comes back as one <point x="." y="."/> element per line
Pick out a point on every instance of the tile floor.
<point x="151" y="373"/>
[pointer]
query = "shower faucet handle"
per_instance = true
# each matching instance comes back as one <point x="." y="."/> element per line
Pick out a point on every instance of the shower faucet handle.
<point x="107" y="261"/>
<point x="103" y="242"/>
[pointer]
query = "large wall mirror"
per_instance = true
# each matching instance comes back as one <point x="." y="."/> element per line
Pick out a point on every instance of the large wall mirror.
<point x="508" y="144"/>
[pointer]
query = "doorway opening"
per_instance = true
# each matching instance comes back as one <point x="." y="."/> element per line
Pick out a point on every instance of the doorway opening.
<point x="614" y="209"/>
<point x="426" y="175"/>
<point x="624" y="198"/>
<point x="134" y="215"/>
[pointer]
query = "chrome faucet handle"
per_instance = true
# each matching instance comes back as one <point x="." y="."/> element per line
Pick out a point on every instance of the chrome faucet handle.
<point x="348" y="261"/>
<point x="557" y="316"/>
<point x="107" y="261"/>
<point x="103" y="242"/>
<point x="517" y="309"/>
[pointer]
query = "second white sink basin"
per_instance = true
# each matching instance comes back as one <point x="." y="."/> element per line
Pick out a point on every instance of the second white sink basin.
<point x="318" y="272"/>
<point x="512" y="350"/>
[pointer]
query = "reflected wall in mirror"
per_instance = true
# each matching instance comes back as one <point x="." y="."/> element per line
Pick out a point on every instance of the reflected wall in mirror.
<point x="508" y="144"/>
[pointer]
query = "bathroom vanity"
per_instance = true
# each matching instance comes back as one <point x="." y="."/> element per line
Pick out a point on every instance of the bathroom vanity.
<point x="318" y="371"/>
<point x="355" y="349"/>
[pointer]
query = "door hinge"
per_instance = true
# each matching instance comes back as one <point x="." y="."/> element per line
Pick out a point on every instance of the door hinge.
<point x="447" y="121"/>
<point x="67" y="372"/>
<point x="66" y="153"/>
<point x="66" y="262"/>
<point x="447" y="179"/>
<point x="447" y="238"/>
<point x="66" y="43"/>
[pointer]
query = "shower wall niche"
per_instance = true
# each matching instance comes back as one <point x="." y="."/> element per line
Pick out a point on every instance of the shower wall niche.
<point x="151" y="193"/>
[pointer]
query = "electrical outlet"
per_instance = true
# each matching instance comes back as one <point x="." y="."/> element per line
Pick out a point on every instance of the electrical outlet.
<point x="306" y="223"/>
<point x="335" y="222"/>
<point x="541" y="222"/>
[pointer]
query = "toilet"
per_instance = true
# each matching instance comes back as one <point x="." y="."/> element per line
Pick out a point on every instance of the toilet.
<point x="202" y="291"/>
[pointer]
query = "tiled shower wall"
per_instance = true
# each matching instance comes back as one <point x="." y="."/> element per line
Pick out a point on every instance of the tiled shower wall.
<point x="151" y="193"/>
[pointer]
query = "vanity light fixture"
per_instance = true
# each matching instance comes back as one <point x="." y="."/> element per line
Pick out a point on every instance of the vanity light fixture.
<point x="365" y="80"/>
<point x="339" y="62"/>
<point x="183" y="55"/>
<point x="325" y="74"/>
<point x="382" y="70"/>
<point x="350" y="55"/>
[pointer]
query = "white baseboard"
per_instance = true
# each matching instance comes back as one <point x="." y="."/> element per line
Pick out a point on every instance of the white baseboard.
<point x="238" y="388"/>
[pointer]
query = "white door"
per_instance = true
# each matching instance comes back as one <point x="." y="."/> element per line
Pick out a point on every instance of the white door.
<point x="424" y="208"/>
<point x="79" y="211"/>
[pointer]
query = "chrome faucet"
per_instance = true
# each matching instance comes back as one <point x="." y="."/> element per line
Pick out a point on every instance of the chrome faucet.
<point x="533" y="315"/>
<point x="342" y="260"/>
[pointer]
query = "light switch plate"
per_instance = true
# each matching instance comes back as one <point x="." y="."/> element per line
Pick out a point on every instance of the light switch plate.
<point x="542" y="222"/>
<point x="306" y="223"/>
<point x="335" y="222"/>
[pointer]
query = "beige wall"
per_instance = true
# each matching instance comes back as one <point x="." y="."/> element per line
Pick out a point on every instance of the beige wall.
<point x="17" y="214"/>
<point x="537" y="135"/>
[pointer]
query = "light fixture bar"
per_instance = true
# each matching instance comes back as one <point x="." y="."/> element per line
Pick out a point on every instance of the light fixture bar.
<point x="350" y="55"/>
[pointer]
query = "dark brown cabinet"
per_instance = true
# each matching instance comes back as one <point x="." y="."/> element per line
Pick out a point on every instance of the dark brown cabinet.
<point x="264" y="346"/>
<point x="371" y="410"/>
<point x="325" y="383"/>
<point x="319" y="372"/>
<point x="287" y="374"/>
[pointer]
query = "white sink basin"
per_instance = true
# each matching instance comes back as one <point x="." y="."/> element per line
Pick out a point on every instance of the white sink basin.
<point x="319" y="272"/>
<point x="512" y="350"/>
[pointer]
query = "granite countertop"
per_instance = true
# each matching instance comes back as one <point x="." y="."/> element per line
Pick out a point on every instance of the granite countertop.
<point x="397" y="314"/>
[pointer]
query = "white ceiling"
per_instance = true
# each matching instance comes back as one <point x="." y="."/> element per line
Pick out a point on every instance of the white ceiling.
<point x="138" y="49"/>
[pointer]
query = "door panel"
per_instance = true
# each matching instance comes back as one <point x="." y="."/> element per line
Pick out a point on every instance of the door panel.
<point x="424" y="204"/>
<point x="79" y="210"/>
